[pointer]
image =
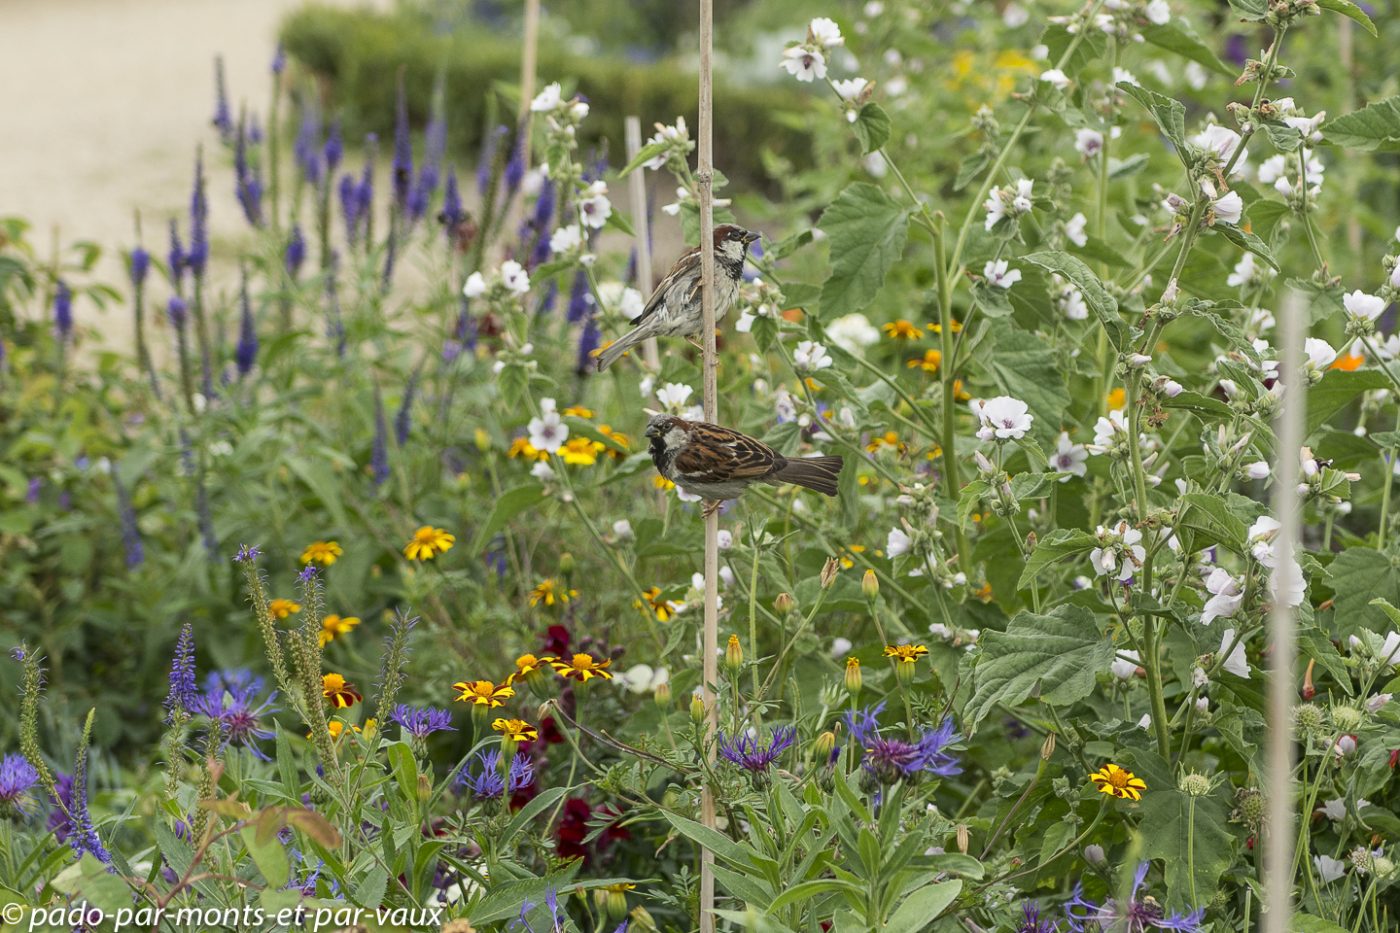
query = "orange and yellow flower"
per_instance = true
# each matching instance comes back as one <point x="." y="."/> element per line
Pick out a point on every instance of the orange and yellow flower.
<point x="281" y="608"/>
<point x="581" y="451"/>
<point x="578" y="411"/>
<point x="323" y="553"/>
<point x="521" y="447"/>
<point x="339" y="691"/>
<point x="902" y="330"/>
<point x="847" y="558"/>
<point x="888" y="439"/>
<point x="551" y="591"/>
<point x="517" y="730"/>
<point x="528" y="664"/>
<point x="662" y="483"/>
<point x="583" y="667"/>
<point x="333" y="626"/>
<point x="337" y="728"/>
<point x="428" y="542"/>
<point x="623" y="442"/>
<point x="929" y="362"/>
<point x="485" y="693"/>
<point x="663" y="608"/>
<point x="905" y="654"/>
<point x="1117" y="398"/>
<point x="1116" y="782"/>
<point x="938" y="328"/>
<point x="1349" y="362"/>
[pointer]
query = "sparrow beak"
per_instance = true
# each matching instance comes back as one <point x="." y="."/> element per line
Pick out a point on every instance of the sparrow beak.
<point x="750" y="236"/>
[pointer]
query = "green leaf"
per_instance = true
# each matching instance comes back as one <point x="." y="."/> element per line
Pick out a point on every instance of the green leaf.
<point x="1212" y="521"/>
<point x="89" y="880"/>
<point x="1375" y="126"/>
<point x="618" y="221"/>
<point x="872" y="127"/>
<point x="1250" y="9"/>
<point x="746" y="886"/>
<point x="970" y="168"/>
<point x="1180" y="836"/>
<point x="1247" y="241"/>
<point x="1359" y="575"/>
<point x="1351" y="11"/>
<point x="1058" y="544"/>
<point x="1170" y="114"/>
<point x="1307" y="923"/>
<point x="721" y="845"/>
<point x="510" y="504"/>
<point x="534" y="808"/>
<point x="1178" y="36"/>
<point x="797" y="893"/>
<point x="268" y="855"/>
<point x="921" y="907"/>
<point x="405" y="769"/>
<point x="1100" y="302"/>
<point x="1337" y="390"/>
<point x="867" y="230"/>
<point x="1025" y="368"/>
<point x="1058" y="654"/>
<point x="645" y="154"/>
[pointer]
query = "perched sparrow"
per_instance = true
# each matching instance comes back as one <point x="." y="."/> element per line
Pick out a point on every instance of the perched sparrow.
<point x="717" y="463"/>
<point x="674" y="308"/>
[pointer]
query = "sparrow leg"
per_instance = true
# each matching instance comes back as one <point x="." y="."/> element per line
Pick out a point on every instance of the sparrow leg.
<point x="694" y="342"/>
<point x="711" y="507"/>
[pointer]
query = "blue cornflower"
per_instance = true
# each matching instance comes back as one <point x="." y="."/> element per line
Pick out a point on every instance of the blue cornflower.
<point x="138" y="265"/>
<point x="489" y="782"/>
<point x="1136" y="916"/>
<point x="17" y="776"/>
<point x="889" y="760"/>
<point x="232" y="680"/>
<point x="379" y="450"/>
<point x="247" y="552"/>
<point x="223" y="118"/>
<point x="198" y="256"/>
<point x="1033" y="923"/>
<point x="295" y="254"/>
<point x="403" y="151"/>
<point x="184" y="693"/>
<point x="62" y="311"/>
<point x="421" y="722"/>
<point x="246" y="352"/>
<point x="748" y="753"/>
<point x="239" y="712"/>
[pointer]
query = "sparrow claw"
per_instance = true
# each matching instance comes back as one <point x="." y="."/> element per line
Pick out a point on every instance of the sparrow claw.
<point x="710" y="507"/>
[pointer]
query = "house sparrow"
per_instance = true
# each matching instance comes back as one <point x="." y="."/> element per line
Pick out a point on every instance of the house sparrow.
<point x="717" y="463"/>
<point x="674" y="308"/>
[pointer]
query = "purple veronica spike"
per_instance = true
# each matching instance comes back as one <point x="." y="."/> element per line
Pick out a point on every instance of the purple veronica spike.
<point x="486" y="162"/>
<point x="379" y="453"/>
<point x="551" y="296"/>
<point x="248" y="186"/>
<point x="515" y="166"/>
<point x="295" y="253"/>
<point x="421" y="722"/>
<point x="246" y="353"/>
<point x="580" y="301"/>
<point x="198" y="256"/>
<point x="17" y="776"/>
<point x="184" y="694"/>
<point x="308" y="573"/>
<point x="279" y="60"/>
<point x="403" y="419"/>
<point x="365" y="192"/>
<point x="403" y="151"/>
<point x="748" y="753"/>
<point x="223" y="118"/>
<point x="131" y="534"/>
<point x="176" y="257"/>
<point x="307" y="147"/>
<point x="587" y="343"/>
<point x="391" y="253"/>
<point x="138" y="265"/>
<point x="452" y="210"/>
<point x="62" y="311"/>
<point x="178" y="312"/>
<point x="350" y="207"/>
<point x="82" y="835"/>
<point x="334" y="149"/>
<point x="335" y="324"/>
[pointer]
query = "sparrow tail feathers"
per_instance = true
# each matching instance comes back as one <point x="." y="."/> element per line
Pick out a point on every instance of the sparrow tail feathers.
<point x="816" y="473"/>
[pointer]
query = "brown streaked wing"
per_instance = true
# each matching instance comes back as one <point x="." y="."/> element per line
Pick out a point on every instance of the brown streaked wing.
<point x="717" y="454"/>
<point x="689" y="258"/>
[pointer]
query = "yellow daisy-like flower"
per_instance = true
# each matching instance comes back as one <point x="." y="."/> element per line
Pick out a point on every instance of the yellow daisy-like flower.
<point x="528" y="664"/>
<point x="929" y="362"/>
<point x="339" y="691"/>
<point x="333" y="626"/>
<point x="620" y="887"/>
<point x="888" y="439"/>
<point x="521" y="447"/>
<point x="905" y="654"/>
<point x="959" y="392"/>
<point x="578" y="411"/>
<point x="938" y="328"/>
<point x="486" y="693"/>
<point x="847" y="557"/>
<point x="337" y="728"/>
<point x="1116" y="782"/>
<point x="617" y="437"/>
<point x="428" y="542"/>
<point x="516" y="729"/>
<point x="281" y="608"/>
<point x="1117" y="398"/>
<point x="321" y="552"/>
<point x="549" y="592"/>
<point x="662" y="483"/>
<point x="902" y="330"/>
<point x="581" y="451"/>
<point x="663" y="608"/>
<point x="583" y="667"/>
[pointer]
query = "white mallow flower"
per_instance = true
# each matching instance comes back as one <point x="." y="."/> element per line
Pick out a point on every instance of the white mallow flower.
<point x="1107" y="432"/>
<point x="1363" y="307"/>
<point x="1328" y="868"/>
<point x="853" y="332"/>
<point x="1236" y="663"/>
<point x="804" y="64"/>
<point x="1125" y="664"/>
<point x="1395" y="278"/>
<point x="897" y="544"/>
<point x="1259" y="469"/>
<point x="622" y="529"/>
<point x="548" y="100"/>
<point x="1021" y="202"/>
<point x="673" y="395"/>
<point x="476" y="285"/>
<point x="840" y="647"/>
<point x="1310" y="127"/>
<point x="1320" y="355"/>
<point x="548" y="432"/>
<point x="1000" y="275"/>
<point x="1228" y="208"/>
<point x="631" y="303"/>
<point x="1158" y="12"/>
<point x="568" y="239"/>
<point x="1261" y="539"/>
<point x="1124" y="76"/>
<point x="1336" y="808"/>
<point x="825" y="33"/>
<point x="514" y="277"/>
<point x="1221" y="142"/>
<point x="1055" y="77"/>
<point x="594" y="208"/>
<point x="849" y="88"/>
<point x="1088" y="143"/>
<point x="1120" y="552"/>
<point x="1069" y="457"/>
<point x="1075" y="230"/>
<point x="1248" y="271"/>
<point x="1070" y="301"/>
<point x="1390" y="649"/>
<point x="811" y="356"/>
<point x="1286" y="583"/>
<point x="643" y="678"/>
<point x="784" y="406"/>
<point x="1226" y="594"/>
<point x="1002" y="418"/>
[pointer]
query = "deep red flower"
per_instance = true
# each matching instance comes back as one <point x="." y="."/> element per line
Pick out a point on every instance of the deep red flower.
<point x="556" y="640"/>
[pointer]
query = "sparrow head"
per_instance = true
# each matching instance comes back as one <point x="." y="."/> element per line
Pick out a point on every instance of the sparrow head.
<point x="660" y="424"/>
<point x="729" y="233"/>
<point x="667" y="434"/>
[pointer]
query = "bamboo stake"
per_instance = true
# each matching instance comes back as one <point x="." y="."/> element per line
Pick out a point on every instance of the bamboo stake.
<point x="637" y="192"/>
<point x="1280" y="842"/>
<point x="528" y="56"/>
<point x="704" y="180"/>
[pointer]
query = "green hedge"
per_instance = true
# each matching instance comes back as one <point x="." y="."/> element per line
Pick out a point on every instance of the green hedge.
<point x="359" y="53"/>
